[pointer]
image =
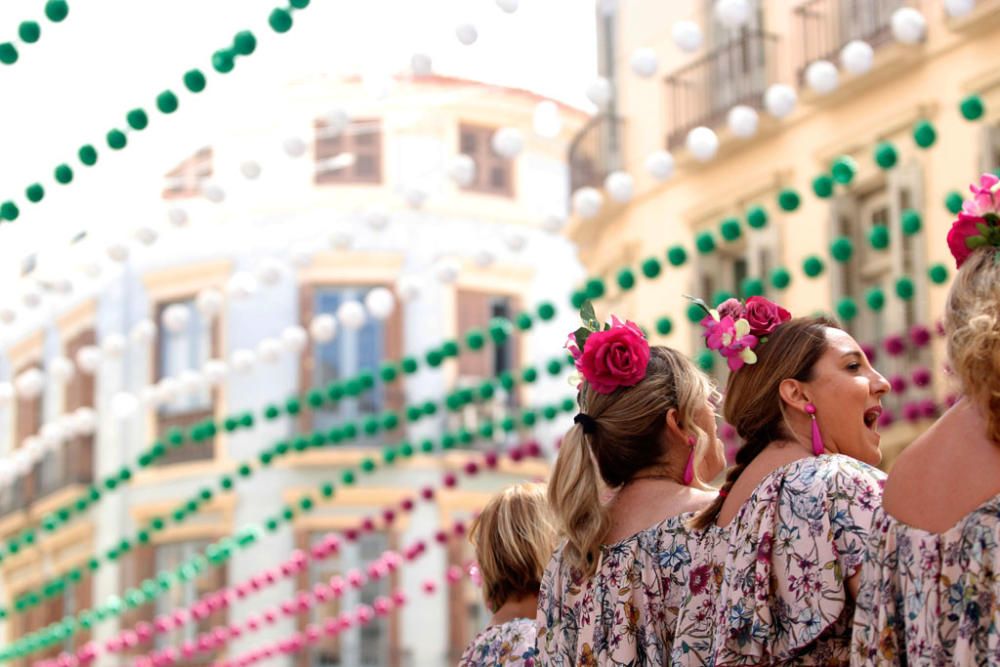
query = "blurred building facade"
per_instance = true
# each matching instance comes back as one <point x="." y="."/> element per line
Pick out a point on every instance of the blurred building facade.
<point x="907" y="84"/>
<point x="289" y="222"/>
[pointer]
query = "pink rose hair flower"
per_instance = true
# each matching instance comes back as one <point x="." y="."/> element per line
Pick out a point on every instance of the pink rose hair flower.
<point x="978" y="223"/>
<point x="609" y="358"/>
<point x="735" y="329"/>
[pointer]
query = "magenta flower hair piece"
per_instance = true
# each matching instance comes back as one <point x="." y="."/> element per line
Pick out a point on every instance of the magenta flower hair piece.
<point x="978" y="223"/>
<point x="610" y="357"/>
<point x="735" y="329"/>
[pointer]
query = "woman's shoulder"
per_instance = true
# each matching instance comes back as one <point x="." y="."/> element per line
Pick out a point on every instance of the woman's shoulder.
<point x="510" y="643"/>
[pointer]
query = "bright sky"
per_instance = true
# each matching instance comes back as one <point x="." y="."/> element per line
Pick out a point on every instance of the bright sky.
<point x="109" y="56"/>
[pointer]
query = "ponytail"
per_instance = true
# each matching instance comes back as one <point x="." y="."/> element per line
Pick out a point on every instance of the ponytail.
<point x="575" y="500"/>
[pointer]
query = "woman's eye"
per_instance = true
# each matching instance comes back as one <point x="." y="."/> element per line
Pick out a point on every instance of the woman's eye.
<point x="853" y="367"/>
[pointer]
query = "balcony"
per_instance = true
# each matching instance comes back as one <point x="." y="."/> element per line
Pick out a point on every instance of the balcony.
<point x="191" y="451"/>
<point x="823" y="27"/>
<point x="595" y="152"/>
<point x="69" y="464"/>
<point x="703" y="92"/>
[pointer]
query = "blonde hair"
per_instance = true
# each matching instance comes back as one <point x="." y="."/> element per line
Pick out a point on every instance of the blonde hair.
<point x="513" y="538"/>
<point x="972" y="321"/>
<point x="628" y="436"/>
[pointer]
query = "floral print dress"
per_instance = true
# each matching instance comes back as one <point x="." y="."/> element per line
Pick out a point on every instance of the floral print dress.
<point x="931" y="598"/>
<point x="625" y="613"/>
<point x="511" y="643"/>
<point x="770" y="587"/>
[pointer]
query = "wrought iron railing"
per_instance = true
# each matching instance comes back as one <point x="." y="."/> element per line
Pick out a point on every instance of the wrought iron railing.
<point x="595" y="151"/>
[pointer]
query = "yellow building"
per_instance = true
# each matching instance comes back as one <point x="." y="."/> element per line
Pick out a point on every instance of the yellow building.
<point x="871" y="114"/>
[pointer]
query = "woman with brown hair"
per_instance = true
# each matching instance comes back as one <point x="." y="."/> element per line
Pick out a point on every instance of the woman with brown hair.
<point x="513" y="538"/>
<point x="930" y="592"/>
<point x="777" y="565"/>
<point x="628" y="476"/>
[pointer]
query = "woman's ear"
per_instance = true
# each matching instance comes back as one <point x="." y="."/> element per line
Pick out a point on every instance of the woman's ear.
<point x="793" y="393"/>
<point x="675" y="429"/>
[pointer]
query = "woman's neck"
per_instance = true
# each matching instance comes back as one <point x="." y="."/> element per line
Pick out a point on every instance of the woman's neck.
<point x="525" y="607"/>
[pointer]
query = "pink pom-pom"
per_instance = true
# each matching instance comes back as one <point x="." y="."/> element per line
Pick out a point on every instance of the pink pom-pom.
<point x="382" y="606"/>
<point x="351" y="535"/>
<point x="898" y="383"/>
<point x="920" y="335"/>
<point x="407" y="505"/>
<point x="267" y="652"/>
<point x="333" y="542"/>
<point x="364" y="614"/>
<point x="235" y="632"/>
<point x="270" y="616"/>
<point x="449" y="480"/>
<point x="271" y="576"/>
<point x="388" y="516"/>
<point x="331" y="627"/>
<point x="253" y="622"/>
<point x="114" y="645"/>
<point x="911" y="412"/>
<point x="337" y="585"/>
<point x="471" y="468"/>
<point x="312" y="633"/>
<point x="516" y="454"/>
<point x="346" y="620"/>
<point x="322" y="592"/>
<point x="458" y="529"/>
<point x="355" y="579"/>
<point x="144" y="631"/>
<point x="162" y="623"/>
<point x="200" y="610"/>
<point x="928" y="408"/>
<point x="288" y="607"/>
<point x="950" y="400"/>
<point x="491" y="460"/>
<point x="286" y="569"/>
<point x="170" y="655"/>
<point x="454" y="574"/>
<point x="475" y="575"/>
<point x="870" y="352"/>
<point x="939" y="328"/>
<point x="304" y="601"/>
<point x="204" y="642"/>
<point x="427" y="493"/>
<point x="298" y="558"/>
<point x="533" y="449"/>
<point x="399" y="598"/>
<point x="320" y="551"/>
<point x="256" y="583"/>
<point x="921" y="376"/>
<point x="367" y="525"/>
<point x="144" y="661"/>
<point x="87" y="652"/>
<point x="429" y="586"/>
<point x="727" y="431"/>
<point x="243" y="590"/>
<point x="392" y="560"/>
<point x="188" y="650"/>
<point x="441" y="537"/>
<point x="894" y="345"/>
<point x="220" y="634"/>
<point x="887" y="418"/>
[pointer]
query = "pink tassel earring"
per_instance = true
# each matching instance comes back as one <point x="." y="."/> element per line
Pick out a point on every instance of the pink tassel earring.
<point x="817" y="439"/>
<point x="689" y="468"/>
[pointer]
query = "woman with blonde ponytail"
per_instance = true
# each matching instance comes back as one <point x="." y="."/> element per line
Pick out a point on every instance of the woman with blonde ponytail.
<point x="630" y="473"/>
<point x="930" y="591"/>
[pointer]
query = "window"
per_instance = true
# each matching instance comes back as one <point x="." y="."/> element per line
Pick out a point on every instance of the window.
<point x="494" y="174"/>
<point x="186" y="179"/>
<point x="990" y="156"/>
<point x="28" y="417"/>
<point x="167" y="558"/>
<point x="360" y="143"/>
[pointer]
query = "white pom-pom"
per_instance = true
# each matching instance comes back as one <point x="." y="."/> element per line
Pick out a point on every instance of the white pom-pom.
<point x="857" y="57"/>
<point x="124" y="405"/>
<point x="545" y="120"/>
<point x="409" y="287"/>
<point x="780" y="100"/>
<point x="175" y="317"/>
<point x="587" y="202"/>
<point x="660" y="165"/>
<point x="8" y="315"/>
<point x="168" y="390"/>
<point x="118" y="252"/>
<point x="732" y="13"/>
<point x="209" y="302"/>
<point x="177" y="217"/>
<point x="323" y="328"/>
<point x="250" y="169"/>
<point x="113" y="346"/>
<point x="88" y="358"/>
<point x="143" y="332"/>
<point x="294" y="147"/>
<point x="270" y="272"/>
<point x="742" y="121"/>
<point x="466" y="34"/>
<point x="515" y="241"/>
<point x="380" y="303"/>
<point x="294" y="338"/>
<point x="30" y="383"/>
<point x="956" y="9"/>
<point x="421" y="64"/>
<point x="509" y="6"/>
<point x="687" y="36"/>
<point x="213" y="192"/>
<point x="620" y="186"/>
<point x="335" y="122"/>
<point x="61" y="369"/>
<point x="908" y="25"/>
<point x="53" y="434"/>
<point x="507" y="142"/>
<point x="22" y="463"/>
<point x="377" y="218"/>
<point x="553" y="224"/>
<point x="241" y="285"/>
<point x="191" y="382"/>
<point x="84" y="421"/>
<point x="148" y="396"/>
<point x="415" y="196"/>
<point x="644" y="62"/>
<point x="6" y="393"/>
<point x="599" y="92"/>
<point x="822" y="76"/>
<point x="341" y="240"/>
<point x="214" y="371"/>
<point x="703" y="143"/>
<point x="243" y="361"/>
<point x="269" y="350"/>
<point x="34" y="448"/>
<point x="462" y="170"/>
<point x="31" y="297"/>
<point x="351" y="315"/>
<point x="446" y="270"/>
<point x="484" y="258"/>
<point x="146" y="235"/>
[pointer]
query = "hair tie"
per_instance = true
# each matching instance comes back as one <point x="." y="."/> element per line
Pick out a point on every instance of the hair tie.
<point x="588" y="423"/>
<point x="723" y="493"/>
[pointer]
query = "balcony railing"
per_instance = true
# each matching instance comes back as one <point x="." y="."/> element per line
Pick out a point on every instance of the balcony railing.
<point x="703" y="92"/>
<point x="824" y="27"/>
<point x="595" y="151"/>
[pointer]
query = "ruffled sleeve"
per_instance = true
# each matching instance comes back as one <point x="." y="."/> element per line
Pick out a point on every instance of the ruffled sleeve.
<point x="791" y="548"/>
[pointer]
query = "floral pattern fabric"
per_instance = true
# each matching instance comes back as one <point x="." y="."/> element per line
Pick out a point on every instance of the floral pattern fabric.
<point x="625" y="613"/>
<point x="770" y="587"/>
<point x="511" y="643"/>
<point x="931" y="599"/>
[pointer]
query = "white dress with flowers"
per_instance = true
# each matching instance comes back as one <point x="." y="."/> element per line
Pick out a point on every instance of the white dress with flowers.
<point x="507" y="644"/>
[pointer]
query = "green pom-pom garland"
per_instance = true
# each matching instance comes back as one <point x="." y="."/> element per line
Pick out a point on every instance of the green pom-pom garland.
<point x="137" y="119"/>
<point x="843" y="169"/>
<point x="664" y="326"/>
<point x="938" y="274"/>
<point x="8" y="53"/>
<point x="904" y="288"/>
<point x="705" y="360"/>
<point x="695" y="313"/>
<point x="194" y="80"/>
<point x="626" y="279"/>
<point x="822" y="186"/>
<point x="117" y="140"/>
<point x="63" y="174"/>
<point x="244" y="43"/>
<point x="813" y="266"/>
<point x="924" y="134"/>
<point x="953" y="202"/>
<point x="705" y="243"/>
<point x="594" y="288"/>
<point x="730" y="229"/>
<point x="878" y="237"/>
<point x="780" y="278"/>
<point x="223" y="61"/>
<point x="677" y="255"/>
<point x="167" y="102"/>
<point x="847" y="310"/>
<point x="56" y="10"/>
<point x="972" y="107"/>
<point x="886" y="155"/>
<point x="29" y="32"/>
<point x="280" y="20"/>
<point x="910" y="222"/>
<point x="87" y="155"/>
<point x="752" y="287"/>
<point x="720" y="296"/>
<point x="651" y="267"/>
<point x="875" y="299"/>
<point x="35" y="193"/>
<point x="842" y="249"/>
<point x="789" y="200"/>
<point x="757" y="217"/>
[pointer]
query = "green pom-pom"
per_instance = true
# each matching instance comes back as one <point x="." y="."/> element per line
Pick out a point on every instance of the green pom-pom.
<point x="924" y="134"/>
<point x="64" y="174"/>
<point x="167" y="102"/>
<point x="388" y="372"/>
<point x="780" y="278"/>
<point x="677" y="255"/>
<point x="244" y="43"/>
<point x="730" y="229"/>
<point x="194" y="80"/>
<point x="938" y="274"/>
<point x="842" y="249"/>
<point x="29" y="32"/>
<point x="223" y="61"/>
<point x="720" y="296"/>
<point x="280" y="20"/>
<point x="117" y="140"/>
<point x="705" y="360"/>
<point x="8" y="53"/>
<point x="554" y="367"/>
<point x="953" y="202"/>
<point x="823" y="186"/>
<point x="789" y="199"/>
<point x="875" y="298"/>
<point x="757" y="217"/>
<point x="972" y="107"/>
<point x="886" y="155"/>
<point x="475" y="339"/>
<point x="847" y="310"/>
<point x="664" y="326"/>
<point x="9" y="211"/>
<point x="578" y="298"/>
<point x="56" y="10"/>
<point x="409" y="365"/>
<point x="529" y="375"/>
<point x="137" y="119"/>
<point x="812" y="266"/>
<point x="299" y="4"/>
<point x="87" y="155"/>
<point x="34" y="192"/>
<point x="904" y="288"/>
<point x="752" y="287"/>
<point x="546" y="311"/>
<point x="594" y="288"/>
<point x="651" y="267"/>
<point x="878" y="237"/>
<point x="434" y="358"/>
<point x="911" y="222"/>
<point x="449" y="349"/>
<point x="843" y="169"/>
<point x="695" y="313"/>
<point x="523" y="321"/>
<point x="705" y="243"/>
<point x="626" y="279"/>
